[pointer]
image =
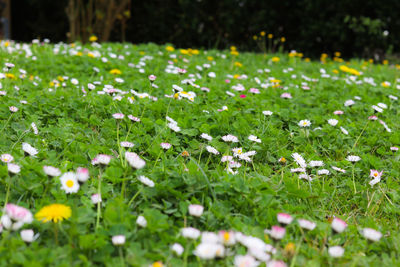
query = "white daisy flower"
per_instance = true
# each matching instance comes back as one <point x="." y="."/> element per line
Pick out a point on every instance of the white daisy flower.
<point x="13" y="109"/>
<point x="299" y="160"/>
<point x="96" y="198"/>
<point x="126" y="144"/>
<point x="101" y="159"/>
<point x="51" y="171"/>
<point x="196" y="210"/>
<point x="207" y="251"/>
<point x="206" y="136"/>
<point x="336" y="251"/>
<point x="376" y="108"/>
<point x="371" y="234"/>
<point x="134" y="160"/>
<point x="28" y="235"/>
<point x="344" y="131"/>
<point x="190" y="232"/>
<point x="6" y="158"/>
<point x="146" y="181"/>
<point x="316" y="163"/>
<point x="35" y="129"/>
<point x="69" y="183"/>
<point x="254" y="138"/>
<point x="323" y="172"/>
<point x="333" y="122"/>
<point x="349" y="103"/>
<point x="29" y="149"/>
<point x="306" y="224"/>
<point x="177" y="248"/>
<point x="82" y="174"/>
<point x="230" y="138"/>
<point x="165" y="146"/>
<point x="133" y="118"/>
<point x="13" y="168"/>
<point x="304" y="123"/>
<point x="141" y="221"/>
<point x="352" y="158"/>
<point x="226" y="158"/>
<point x="338" y="169"/>
<point x="338" y="225"/>
<point x="267" y="113"/>
<point x="212" y="150"/>
<point x="118" y="116"/>
<point x="118" y="240"/>
<point x="245" y="260"/>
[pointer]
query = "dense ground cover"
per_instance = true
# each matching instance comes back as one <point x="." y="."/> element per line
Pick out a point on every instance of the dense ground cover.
<point x="269" y="156"/>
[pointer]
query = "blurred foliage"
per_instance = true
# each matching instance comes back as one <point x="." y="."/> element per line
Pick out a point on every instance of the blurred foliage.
<point x="355" y="28"/>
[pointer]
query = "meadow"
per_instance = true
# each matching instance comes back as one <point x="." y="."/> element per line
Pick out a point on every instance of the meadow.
<point x="148" y="155"/>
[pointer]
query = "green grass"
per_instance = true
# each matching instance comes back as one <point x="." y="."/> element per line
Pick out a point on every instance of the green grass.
<point x="74" y="127"/>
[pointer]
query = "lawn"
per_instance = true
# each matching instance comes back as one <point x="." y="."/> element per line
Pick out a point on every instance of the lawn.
<point x="147" y="155"/>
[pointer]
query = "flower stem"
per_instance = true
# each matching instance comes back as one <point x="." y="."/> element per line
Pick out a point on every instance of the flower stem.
<point x="8" y="191"/>
<point x="133" y="198"/>
<point x="354" y="183"/>
<point x="155" y="163"/>
<point x="98" y="203"/>
<point x="362" y="131"/>
<point x="121" y="256"/>
<point x="5" y="125"/>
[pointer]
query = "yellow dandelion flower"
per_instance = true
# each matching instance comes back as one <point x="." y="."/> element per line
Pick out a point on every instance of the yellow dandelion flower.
<point x="170" y="48"/>
<point x="236" y="76"/>
<point x="307" y="59"/>
<point x="289" y="249"/>
<point x="91" y="55"/>
<point x="270" y="36"/>
<point x="194" y="51"/>
<point x="275" y="59"/>
<point x="234" y="53"/>
<point x="60" y="78"/>
<point x="283" y="39"/>
<point x="337" y="54"/>
<point x="79" y="54"/>
<point x="6" y="44"/>
<point x="73" y="45"/>
<point x="262" y="33"/>
<point x="210" y="58"/>
<point x="238" y="64"/>
<point x="10" y="76"/>
<point x="233" y="48"/>
<point x="371" y="60"/>
<point x="53" y="212"/>
<point x="93" y="38"/>
<point x="157" y="264"/>
<point x="255" y="37"/>
<point x="385" y="62"/>
<point x="142" y="53"/>
<point x="115" y="71"/>
<point x="335" y="71"/>
<point x="184" y="51"/>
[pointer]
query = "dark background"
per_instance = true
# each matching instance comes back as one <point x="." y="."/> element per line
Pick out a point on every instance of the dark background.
<point x="353" y="27"/>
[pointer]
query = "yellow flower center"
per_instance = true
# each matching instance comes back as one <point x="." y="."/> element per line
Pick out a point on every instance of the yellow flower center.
<point x="70" y="183"/>
<point x="226" y="236"/>
<point x="375" y="174"/>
